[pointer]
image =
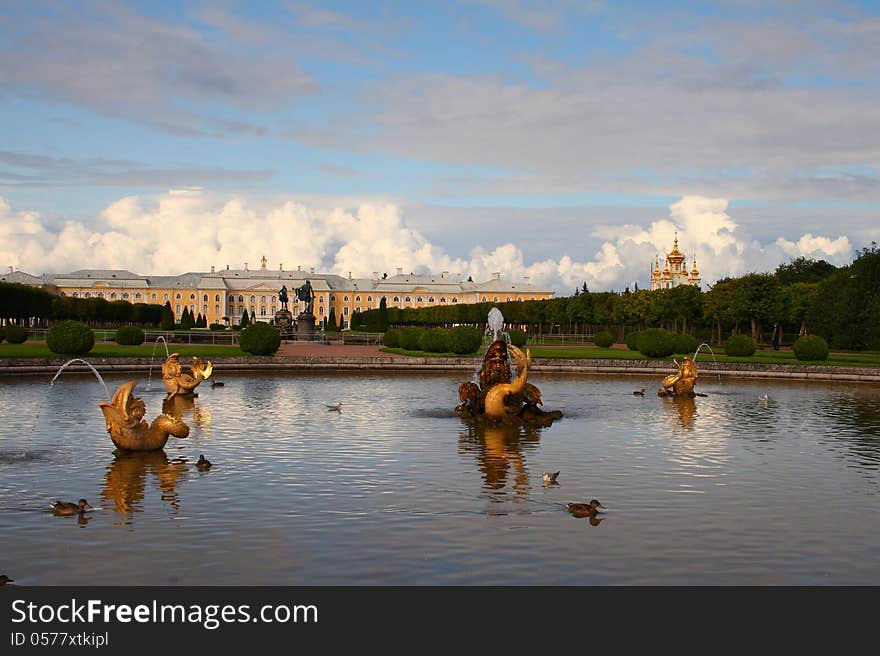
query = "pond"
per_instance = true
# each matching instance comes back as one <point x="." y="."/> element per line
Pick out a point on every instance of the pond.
<point x="397" y="489"/>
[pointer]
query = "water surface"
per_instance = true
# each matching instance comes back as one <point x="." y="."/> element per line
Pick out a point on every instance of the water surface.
<point x="396" y="489"/>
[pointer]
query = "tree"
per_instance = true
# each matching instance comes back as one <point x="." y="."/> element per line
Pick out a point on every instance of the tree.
<point x="802" y="269"/>
<point x="245" y="320"/>
<point x="167" y="317"/>
<point x="331" y="326"/>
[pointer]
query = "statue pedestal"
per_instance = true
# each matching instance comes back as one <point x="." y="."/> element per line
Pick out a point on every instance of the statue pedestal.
<point x="305" y="325"/>
<point x="283" y="321"/>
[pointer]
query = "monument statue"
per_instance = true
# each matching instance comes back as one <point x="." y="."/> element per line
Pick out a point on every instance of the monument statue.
<point x="177" y="382"/>
<point x="127" y="427"/>
<point x="282" y="297"/>
<point x="305" y="294"/>
<point x="682" y="382"/>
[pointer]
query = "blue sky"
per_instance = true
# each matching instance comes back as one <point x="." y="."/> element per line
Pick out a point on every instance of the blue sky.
<point x="557" y="127"/>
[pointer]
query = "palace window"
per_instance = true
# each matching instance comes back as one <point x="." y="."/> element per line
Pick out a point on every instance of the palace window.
<point x="192" y="297"/>
<point x="358" y="308"/>
<point x="112" y="294"/>
<point x="431" y="299"/>
<point x="508" y="298"/>
<point x="125" y="295"/>
<point x="99" y="294"/>
<point x="495" y="299"/>
<point x="205" y="298"/>
<point x="178" y="296"/>
<point x="345" y="298"/>
<point x="442" y="299"/>
<point x="485" y="299"/>
<point x="137" y="295"/>
<point x="216" y="297"/>
<point x="455" y="300"/>
<point x="153" y="296"/>
<point x="86" y="294"/>
<point x="369" y="299"/>
<point x="240" y="298"/>
<point x="62" y="294"/>
<point x="407" y="299"/>
<point x="321" y="310"/>
<point x="164" y="297"/>
<point x="178" y="308"/>
<point x="345" y="310"/>
<point x="204" y="309"/>
<point x="419" y="299"/>
<point x="396" y="299"/>
<point x="75" y="295"/>
<point x="253" y="299"/>
<point x="357" y="298"/>
<point x="333" y="297"/>
<point x="216" y="309"/>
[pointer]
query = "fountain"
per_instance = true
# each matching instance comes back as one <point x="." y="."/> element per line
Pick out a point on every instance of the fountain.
<point x="502" y="396"/>
<point x="682" y="382"/>
<point x="714" y="361"/>
<point x="177" y="382"/>
<point x="55" y="377"/>
<point x="153" y="355"/>
<point x="127" y="428"/>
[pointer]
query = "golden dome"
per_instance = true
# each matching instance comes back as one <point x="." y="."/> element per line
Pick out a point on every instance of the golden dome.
<point x="675" y="256"/>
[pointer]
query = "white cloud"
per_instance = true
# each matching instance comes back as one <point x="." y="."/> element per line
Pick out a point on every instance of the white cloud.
<point x="191" y="230"/>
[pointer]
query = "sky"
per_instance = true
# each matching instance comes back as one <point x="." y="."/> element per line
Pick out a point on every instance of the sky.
<point x="566" y="141"/>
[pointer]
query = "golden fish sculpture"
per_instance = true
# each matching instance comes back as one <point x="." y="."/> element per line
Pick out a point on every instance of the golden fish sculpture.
<point x="177" y="382"/>
<point x="124" y="417"/>
<point x="495" y="397"/>
<point x="682" y="382"/>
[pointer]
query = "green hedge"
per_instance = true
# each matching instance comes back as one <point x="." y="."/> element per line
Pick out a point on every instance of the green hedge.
<point x="518" y="337"/>
<point x="391" y="338"/>
<point x="603" y="339"/>
<point x="810" y="347"/>
<point x="70" y="338"/>
<point x="217" y="326"/>
<point x="411" y="339"/>
<point x="435" y="340"/>
<point x="685" y="343"/>
<point x="656" y="343"/>
<point x="16" y="334"/>
<point x="2" y="333"/>
<point x="259" y="339"/>
<point x="129" y="335"/>
<point x="740" y="345"/>
<point x="632" y="340"/>
<point x="465" y="340"/>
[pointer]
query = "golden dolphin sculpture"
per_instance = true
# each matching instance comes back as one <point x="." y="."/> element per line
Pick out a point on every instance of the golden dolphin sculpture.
<point x="681" y="382"/>
<point x="177" y="382"/>
<point x="127" y="428"/>
<point x="495" y="407"/>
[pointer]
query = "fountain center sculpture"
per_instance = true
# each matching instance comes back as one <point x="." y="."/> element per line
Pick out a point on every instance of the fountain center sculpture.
<point x="682" y="382"/>
<point x="500" y="396"/>
<point x="124" y="417"/>
<point x="178" y="382"/>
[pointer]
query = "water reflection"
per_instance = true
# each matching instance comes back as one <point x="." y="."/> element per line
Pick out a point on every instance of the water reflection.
<point x="685" y="408"/>
<point x="188" y="409"/>
<point x="125" y="481"/>
<point x="500" y="452"/>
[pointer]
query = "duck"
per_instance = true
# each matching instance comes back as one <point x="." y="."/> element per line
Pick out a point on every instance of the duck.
<point x="70" y="508"/>
<point x="5" y="579"/>
<point x="590" y="509"/>
<point x="763" y="397"/>
<point x="640" y="392"/>
<point x="337" y="407"/>
<point x="216" y="383"/>
<point x="203" y="463"/>
<point x="550" y="478"/>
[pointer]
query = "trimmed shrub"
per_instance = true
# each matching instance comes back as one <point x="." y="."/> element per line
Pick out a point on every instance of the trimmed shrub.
<point x="259" y="339"/>
<point x="810" y="347"/>
<point x="603" y="339"/>
<point x="740" y="345"/>
<point x="391" y="338"/>
<point x="465" y="340"/>
<point x="632" y="340"/>
<point x="411" y="339"/>
<point x="2" y="333"/>
<point x="517" y="337"/>
<point x="129" y="335"/>
<point x="70" y="338"/>
<point x="217" y="326"/>
<point x="434" y="340"/>
<point x="16" y="334"/>
<point x="685" y="343"/>
<point x="656" y="343"/>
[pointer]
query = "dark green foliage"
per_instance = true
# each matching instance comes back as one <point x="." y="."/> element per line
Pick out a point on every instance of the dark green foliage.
<point x="656" y="343"/>
<point x="16" y="334"/>
<point x="411" y="339"/>
<point x="685" y="343"/>
<point x="806" y="270"/>
<point x="740" y="345"/>
<point x="70" y="338"/>
<point x="632" y="340"/>
<point x="810" y="347"/>
<point x="465" y="340"/>
<point x="434" y="340"/>
<point x="130" y="335"/>
<point x="391" y="338"/>
<point x="245" y="320"/>
<point x="186" y="320"/>
<point x="517" y="337"/>
<point x="259" y="339"/>
<point x="2" y="333"/>
<point x="603" y="339"/>
<point x="167" y="317"/>
<point x="217" y="326"/>
<point x="331" y="326"/>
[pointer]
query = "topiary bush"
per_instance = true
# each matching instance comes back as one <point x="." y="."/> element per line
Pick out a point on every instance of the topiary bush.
<point x="656" y="343"/>
<point x="685" y="343"/>
<point x="391" y="338"/>
<point x="16" y="334"/>
<point x="70" y="338"/>
<point x="810" y="347"/>
<point x="603" y="339"/>
<point x="129" y="335"/>
<point x="464" y="340"/>
<point x="517" y="337"/>
<point x="632" y="340"/>
<point x="411" y="339"/>
<point x="259" y="339"/>
<point x="740" y="345"/>
<point x="434" y="340"/>
<point x="217" y="326"/>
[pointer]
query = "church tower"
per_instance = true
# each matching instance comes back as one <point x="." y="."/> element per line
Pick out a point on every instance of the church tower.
<point x="675" y="271"/>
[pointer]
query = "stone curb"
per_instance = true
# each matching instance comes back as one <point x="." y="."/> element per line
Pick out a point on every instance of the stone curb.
<point x="398" y="363"/>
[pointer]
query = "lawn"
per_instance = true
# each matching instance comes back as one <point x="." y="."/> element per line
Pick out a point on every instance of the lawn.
<point x="106" y="350"/>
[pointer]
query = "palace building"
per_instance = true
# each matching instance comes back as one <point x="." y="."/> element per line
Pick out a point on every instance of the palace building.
<point x="675" y="271"/>
<point x="223" y="296"/>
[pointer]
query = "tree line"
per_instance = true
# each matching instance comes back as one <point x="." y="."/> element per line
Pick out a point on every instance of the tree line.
<point x="841" y="304"/>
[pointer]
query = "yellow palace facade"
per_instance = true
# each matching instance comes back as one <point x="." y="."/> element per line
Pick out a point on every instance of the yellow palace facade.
<point x="223" y="296"/>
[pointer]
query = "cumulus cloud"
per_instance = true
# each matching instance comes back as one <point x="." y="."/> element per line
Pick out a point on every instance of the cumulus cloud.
<point x="191" y="230"/>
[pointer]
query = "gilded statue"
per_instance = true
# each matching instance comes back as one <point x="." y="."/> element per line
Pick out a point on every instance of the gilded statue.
<point x="177" y="382"/>
<point x="124" y="417"/>
<point x="682" y="382"/>
<point x="495" y="407"/>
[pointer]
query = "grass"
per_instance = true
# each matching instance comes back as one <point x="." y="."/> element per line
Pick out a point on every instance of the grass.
<point x="40" y="350"/>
